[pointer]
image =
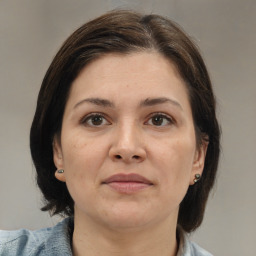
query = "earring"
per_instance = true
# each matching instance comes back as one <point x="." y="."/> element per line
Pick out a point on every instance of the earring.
<point x="60" y="171"/>
<point x="197" y="177"/>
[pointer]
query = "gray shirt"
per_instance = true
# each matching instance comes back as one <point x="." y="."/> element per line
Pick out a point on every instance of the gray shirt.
<point x="55" y="241"/>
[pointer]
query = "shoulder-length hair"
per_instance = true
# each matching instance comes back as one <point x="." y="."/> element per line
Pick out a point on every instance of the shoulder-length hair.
<point x="124" y="32"/>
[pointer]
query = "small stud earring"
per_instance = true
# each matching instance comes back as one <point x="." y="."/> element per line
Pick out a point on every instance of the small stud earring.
<point x="197" y="177"/>
<point x="60" y="171"/>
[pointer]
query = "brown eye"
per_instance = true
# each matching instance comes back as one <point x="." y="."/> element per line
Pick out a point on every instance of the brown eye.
<point x="159" y="120"/>
<point x="95" y="120"/>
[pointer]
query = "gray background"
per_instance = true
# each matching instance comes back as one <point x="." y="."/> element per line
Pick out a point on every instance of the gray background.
<point x="31" y="31"/>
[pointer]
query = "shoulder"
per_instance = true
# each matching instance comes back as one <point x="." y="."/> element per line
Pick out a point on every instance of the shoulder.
<point x="197" y="250"/>
<point x="39" y="242"/>
<point x="20" y="242"/>
<point x="188" y="248"/>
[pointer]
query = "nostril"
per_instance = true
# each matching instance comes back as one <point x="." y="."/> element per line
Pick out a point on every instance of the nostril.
<point x="128" y="158"/>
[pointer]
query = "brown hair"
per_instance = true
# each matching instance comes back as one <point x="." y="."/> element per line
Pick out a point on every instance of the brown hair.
<point x="124" y="32"/>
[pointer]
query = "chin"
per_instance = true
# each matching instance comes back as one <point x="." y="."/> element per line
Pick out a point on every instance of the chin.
<point x="127" y="217"/>
<point x="125" y="224"/>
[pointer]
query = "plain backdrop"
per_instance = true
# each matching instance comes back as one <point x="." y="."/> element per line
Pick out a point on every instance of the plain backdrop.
<point x="31" y="31"/>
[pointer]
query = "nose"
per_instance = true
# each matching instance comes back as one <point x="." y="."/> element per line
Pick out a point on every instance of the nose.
<point x="127" y="146"/>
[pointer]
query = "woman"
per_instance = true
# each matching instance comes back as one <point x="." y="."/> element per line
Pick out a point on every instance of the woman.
<point x="124" y="140"/>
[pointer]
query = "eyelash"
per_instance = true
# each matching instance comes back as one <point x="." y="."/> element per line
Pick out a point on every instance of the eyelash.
<point x="85" y="119"/>
<point x="89" y="117"/>
<point x="164" y="116"/>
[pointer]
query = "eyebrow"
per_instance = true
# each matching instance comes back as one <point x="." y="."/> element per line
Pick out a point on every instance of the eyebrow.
<point x="96" y="101"/>
<point x="155" y="101"/>
<point x="145" y="103"/>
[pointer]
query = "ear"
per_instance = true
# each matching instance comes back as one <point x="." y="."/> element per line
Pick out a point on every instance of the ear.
<point x="199" y="160"/>
<point x="58" y="158"/>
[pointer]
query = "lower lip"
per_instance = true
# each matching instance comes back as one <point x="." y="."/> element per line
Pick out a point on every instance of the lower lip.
<point x="128" y="187"/>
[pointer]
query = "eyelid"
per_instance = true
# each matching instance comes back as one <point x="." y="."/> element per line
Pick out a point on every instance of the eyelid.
<point x="168" y="117"/>
<point x="86" y="117"/>
<point x="92" y="114"/>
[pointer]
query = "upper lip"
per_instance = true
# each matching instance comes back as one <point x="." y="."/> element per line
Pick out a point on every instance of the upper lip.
<point x="132" y="177"/>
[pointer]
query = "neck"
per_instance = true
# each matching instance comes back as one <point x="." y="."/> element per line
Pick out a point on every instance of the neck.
<point x="91" y="239"/>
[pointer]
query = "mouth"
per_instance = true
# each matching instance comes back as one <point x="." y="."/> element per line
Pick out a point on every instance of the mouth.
<point x="127" y="183"/>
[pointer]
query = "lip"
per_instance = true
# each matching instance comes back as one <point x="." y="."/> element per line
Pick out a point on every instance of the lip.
<point x="127" y="183"/>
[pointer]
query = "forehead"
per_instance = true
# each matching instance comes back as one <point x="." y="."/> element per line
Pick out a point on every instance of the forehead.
<point x="135" y="75"/>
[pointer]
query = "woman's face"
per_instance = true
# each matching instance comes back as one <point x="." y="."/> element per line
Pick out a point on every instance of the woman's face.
<point x="128" y="144"/>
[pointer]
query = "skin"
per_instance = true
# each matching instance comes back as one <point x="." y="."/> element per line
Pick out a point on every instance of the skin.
<point x="130" y="134"/>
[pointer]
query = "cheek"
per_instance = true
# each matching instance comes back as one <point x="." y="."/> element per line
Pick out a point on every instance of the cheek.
<point x="79" y="157"/>
<point x="76" y="146"/>
<point x="80" y="165"/>
<point x="174" y="158"/>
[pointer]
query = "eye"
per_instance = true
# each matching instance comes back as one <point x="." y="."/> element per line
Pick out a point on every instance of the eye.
<point x="160" y="119"/>
<point x="95" y="120"/>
